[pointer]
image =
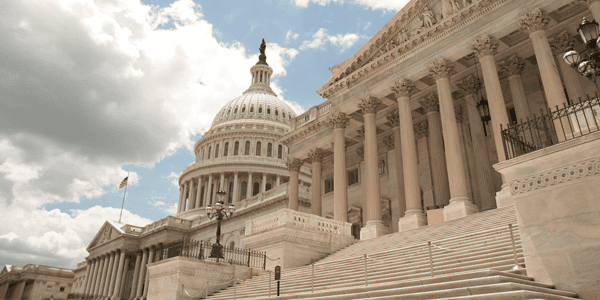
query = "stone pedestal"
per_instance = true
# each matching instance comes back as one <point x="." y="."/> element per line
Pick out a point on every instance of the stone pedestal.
<point x="459" y="209"/>
<point x="169" y="277"/>
<point x="435" y="216"/>
<point x="555" y="192"/>
<point x="413" y="221"/>
<point x="373" y="229"/>
<point x="291" y="238"/>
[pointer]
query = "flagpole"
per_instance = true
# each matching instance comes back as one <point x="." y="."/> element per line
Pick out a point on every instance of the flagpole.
<point x="125" y="193"/>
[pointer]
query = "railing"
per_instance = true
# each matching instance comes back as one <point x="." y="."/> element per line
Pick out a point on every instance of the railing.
<point x="373" y="262"/>
<point x="294" y="219"/>
<point x="202" y="250"/>
<point x="552" y="127"/>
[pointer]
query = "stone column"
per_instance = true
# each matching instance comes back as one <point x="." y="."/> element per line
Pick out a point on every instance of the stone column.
<point x="483" y="167"/>
<point x="278" y="180"/>
<point x="108" y="275"/>
<point x="512" y="68"/>
<point x="222" y="181"/>
<point x="121" y="292"/>
<point x="571" y="78"/>
<point x="374" y="226"/>
<point x="414" y="216"/>
<point x="136" y="273"/>
<point x="142" y="275"/>
<point x="113" y="276"/>
<point x="535" y="23"/>
<point x="191" y="197"/>
<point x="316" y="156"/>
<point x="263" y="184"/>
<point x="441" y="187"/>
<point x="236" y="188"/>
<point x="207" y="199"/>
<point x="115" y="294"/>
<point x="394" y="119"/>
<point x="594" y="6"/>
<point x="186" y="190"/>
<point x="90" y="287"/>
<point x="293" y="165"/>
<point x="486" y="47"/>
<point x="100" y="271"/>
<point x="198" y="193"/>
<point x="338" y="122"/>
<point x="19" y="289"/>
<point x="3" y="290"/>
<point x="88" y="275"/>
<point x="147" y="279"/>
<point x="249" y="187"/>
<point x="460" y="204"/>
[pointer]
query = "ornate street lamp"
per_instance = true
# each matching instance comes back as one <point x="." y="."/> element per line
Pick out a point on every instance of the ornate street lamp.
<point x="220" y="212"/>
<point x="589" y="31"/>
<point x="484" y="110"/>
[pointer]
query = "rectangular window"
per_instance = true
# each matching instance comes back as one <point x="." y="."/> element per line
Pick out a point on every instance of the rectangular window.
<point x="328" y="185"/>
<point x="62" y="288"/>
<point x="382" y="165"/>
<point x="353" y="177"/>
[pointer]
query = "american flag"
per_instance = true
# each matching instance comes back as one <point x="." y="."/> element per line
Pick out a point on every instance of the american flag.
<point x="123" y="183"/>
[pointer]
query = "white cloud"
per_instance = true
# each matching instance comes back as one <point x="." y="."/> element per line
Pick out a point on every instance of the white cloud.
<point x="304" y="3"/>
<point x="320" y="37"/>
<point x="175" y="178"/>
<point x="172" y="210"/>
<point x="367" y="26"/>
<point x="393" y="5"/>
<point x="127" y="91"/>
<point x="289" y="35"/>
<point x="158" y="203"/>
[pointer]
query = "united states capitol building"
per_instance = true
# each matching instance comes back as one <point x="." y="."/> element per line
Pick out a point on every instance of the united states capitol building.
<point x="456" y="155"/>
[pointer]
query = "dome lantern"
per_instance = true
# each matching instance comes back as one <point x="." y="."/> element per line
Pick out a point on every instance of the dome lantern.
<point x="261" y="74"/>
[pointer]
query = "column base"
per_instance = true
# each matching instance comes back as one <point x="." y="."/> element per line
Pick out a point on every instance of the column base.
<point x="373" y="229"/>
<point x="413" y="221"/>
<point x="459" y="208"/>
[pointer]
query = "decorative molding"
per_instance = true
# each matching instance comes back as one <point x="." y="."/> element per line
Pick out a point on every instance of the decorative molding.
<point x="403" y="87"/>
<point x="294" y="164"/>
<point x="316" y="155"/>
<point x="421" y="130"/>
<point x="583" y="169"/>
<point x="369" y="105"/>
<point x="389" y="142"/>
<point x="394" y="118"/>
<point x="430" y="103"/>
<point x="470" y="85"/>
<point x="511" y="66"/>
<point x="485" y="46"/>
<point x="440" y="69"/>
<point x="534" y="21"/>
<point x="561" y="42"/>
<point x="338" y="120"/>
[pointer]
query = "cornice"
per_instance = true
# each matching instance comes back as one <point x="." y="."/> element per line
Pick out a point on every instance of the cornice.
<point x="305" y="130"/>
<point x="415" y="44"/>
<point x="249" y="164"/>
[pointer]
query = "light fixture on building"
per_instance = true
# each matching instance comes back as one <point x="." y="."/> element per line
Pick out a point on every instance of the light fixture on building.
<point x="589" y="31"/>
<point x="482" y="106"/>
<point x="220" y="213"/>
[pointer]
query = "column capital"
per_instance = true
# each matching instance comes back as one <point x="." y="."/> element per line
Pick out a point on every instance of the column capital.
<point x="369" y="105"/>
<point x="293" y="164"/>
<point x="421" y="130"/>
<point x="485" y="46"/>
<point x="394" y="118"/>
<point x="440" y="69"/>
<point x="361" y="153"/>
<point x="430" y="103"/>
<point x="561" y="42"/>
<point x="470" y="85"/>
<point x="338" y="120"/>
<point x="511" y="66"/>
<point x="389" y="142"/>
<point x="403" y="87"/>
<point x="458" y="114"/>
<point x="316" y="154"/>
<point x="534" y="21"/>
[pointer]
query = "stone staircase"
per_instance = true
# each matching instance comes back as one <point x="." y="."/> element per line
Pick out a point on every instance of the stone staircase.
<point x="468" y="258"/>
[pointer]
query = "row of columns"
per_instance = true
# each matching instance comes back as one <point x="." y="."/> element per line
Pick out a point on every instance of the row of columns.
<point x="190" y="199"/>
<point x="449" y="174"/>
<point x="17" y="293"/>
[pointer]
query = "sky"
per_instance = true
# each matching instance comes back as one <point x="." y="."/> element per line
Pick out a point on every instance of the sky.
<point x="92" y="91"/>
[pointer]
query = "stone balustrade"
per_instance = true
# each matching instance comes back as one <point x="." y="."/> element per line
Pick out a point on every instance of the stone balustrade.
<point x="298" y="220"/>
<point x="168" y="221"/>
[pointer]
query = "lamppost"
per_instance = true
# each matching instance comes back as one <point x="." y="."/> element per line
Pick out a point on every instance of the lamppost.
<point x="590" y="66"/>
<point x="220" y="212"/>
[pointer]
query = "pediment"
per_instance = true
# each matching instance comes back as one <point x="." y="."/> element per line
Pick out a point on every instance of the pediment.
<point x="5" y="270"/>
<point x="107" y="232"/>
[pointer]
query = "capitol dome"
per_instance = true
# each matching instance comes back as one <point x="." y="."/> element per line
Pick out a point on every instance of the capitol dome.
<point x="240" y="154"/>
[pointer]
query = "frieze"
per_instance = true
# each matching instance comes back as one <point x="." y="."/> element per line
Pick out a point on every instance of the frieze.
<point x="583" y="169"/>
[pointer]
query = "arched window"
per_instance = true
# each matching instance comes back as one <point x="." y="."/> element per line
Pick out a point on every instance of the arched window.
<point x="202" y="196"/>
<point x="217" y="151"/>
<point x="232" y="244"/>
<point x="260" y="109"/>
<point x="258" y="146"/>
<point x="280" y="152"/>
<point x="255" y="188"/>
<point x="252" y="108"/>
<point x="202" y="154"/>
<point x="276" y="113"/>
<point x="243" y="109"/>
<point x="283" y="113"/>
<point x="225" y="149"/>
<point x="247" y="148"/>
<point x="268" y="110"/>
<point x="269" y="150"/>
<point x="229" y="111"/>
<point x="244" y="189"/>
<point x="209" y="150"/>
<point x="268" y="186"/>
<point x="230" y="194"/>
<point x="234" y="111"/>
<point x="236" y="148"/>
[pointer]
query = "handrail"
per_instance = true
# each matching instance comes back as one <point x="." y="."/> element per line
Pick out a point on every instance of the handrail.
<point x="420" y="244"/>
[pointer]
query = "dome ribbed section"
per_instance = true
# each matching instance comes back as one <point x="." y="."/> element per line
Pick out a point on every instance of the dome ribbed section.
<point x="255" y="107"/>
